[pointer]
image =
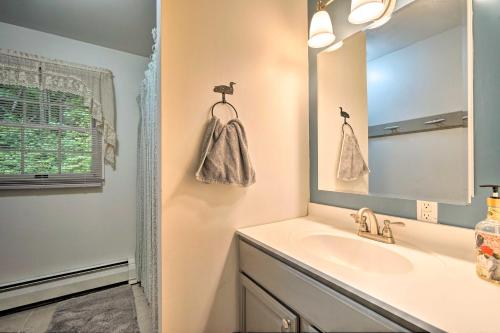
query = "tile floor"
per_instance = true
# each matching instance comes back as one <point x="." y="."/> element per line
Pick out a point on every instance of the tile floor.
<point x="37" y="320"/>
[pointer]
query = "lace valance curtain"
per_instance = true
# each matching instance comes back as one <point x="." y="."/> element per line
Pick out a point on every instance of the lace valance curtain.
<point x="95" y="85"/>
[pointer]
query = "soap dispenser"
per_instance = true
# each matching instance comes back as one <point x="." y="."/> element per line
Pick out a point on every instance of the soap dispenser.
<point x="488" y="240"/>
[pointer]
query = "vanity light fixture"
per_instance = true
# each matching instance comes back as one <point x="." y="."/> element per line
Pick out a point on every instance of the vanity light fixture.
<point x="390" y="5"/>
<point x="362" y="11"/>
<point x="335" y="46"/>
<point x="321" y="30"/>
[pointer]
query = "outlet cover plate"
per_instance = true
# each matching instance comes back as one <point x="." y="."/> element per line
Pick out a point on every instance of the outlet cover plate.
<point x="427" y="211"/>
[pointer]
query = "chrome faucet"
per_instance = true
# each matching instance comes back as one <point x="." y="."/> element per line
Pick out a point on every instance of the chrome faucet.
<point x="373" y="231"/>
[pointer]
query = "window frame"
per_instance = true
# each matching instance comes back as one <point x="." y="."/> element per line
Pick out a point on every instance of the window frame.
<point x="95" y="178"/>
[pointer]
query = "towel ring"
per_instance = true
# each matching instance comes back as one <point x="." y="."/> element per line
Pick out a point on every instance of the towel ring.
<point x="343" y="125"/>
<point x="345" y="115"/>
<point x="224" y="102"/>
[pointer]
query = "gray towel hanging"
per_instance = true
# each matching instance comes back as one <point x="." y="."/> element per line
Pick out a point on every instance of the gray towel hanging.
<point x="224" y="155"/>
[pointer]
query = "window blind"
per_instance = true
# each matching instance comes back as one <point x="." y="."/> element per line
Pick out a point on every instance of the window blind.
<point x="47" y="138"/>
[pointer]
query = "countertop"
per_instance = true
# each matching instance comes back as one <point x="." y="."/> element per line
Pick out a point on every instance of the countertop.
<point x="435" y="282"/>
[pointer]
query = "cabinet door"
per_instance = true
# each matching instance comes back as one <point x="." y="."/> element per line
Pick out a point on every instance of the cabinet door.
<point x="260" y="312"/>
<point x="306" y="327"/>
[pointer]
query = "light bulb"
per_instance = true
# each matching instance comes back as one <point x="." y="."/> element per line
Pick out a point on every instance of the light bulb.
<point x="321" y="30"/>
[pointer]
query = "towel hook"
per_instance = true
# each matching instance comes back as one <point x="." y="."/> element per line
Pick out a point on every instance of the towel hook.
<point x="345" y="115"/>
<point x="223" y="89"/>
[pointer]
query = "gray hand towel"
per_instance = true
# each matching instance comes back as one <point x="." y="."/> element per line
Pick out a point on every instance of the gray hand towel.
<point x="224" y="155"/>
<point x="352" y="165"/>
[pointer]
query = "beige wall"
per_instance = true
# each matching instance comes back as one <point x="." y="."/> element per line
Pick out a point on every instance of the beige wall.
<point x="341" y="82"/>
<point x="261" y="45"/>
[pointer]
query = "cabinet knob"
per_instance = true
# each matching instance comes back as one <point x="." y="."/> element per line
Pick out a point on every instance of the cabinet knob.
<point x="285" y="325"/>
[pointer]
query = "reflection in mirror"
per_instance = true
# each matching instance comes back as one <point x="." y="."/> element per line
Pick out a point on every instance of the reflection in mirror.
<point x="407" y="90"/>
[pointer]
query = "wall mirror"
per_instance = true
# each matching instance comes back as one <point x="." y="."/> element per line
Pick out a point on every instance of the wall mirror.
<point x="407" y="88"/>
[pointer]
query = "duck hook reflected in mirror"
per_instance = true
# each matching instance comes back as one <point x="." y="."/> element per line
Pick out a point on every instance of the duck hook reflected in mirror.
<point x="345" y="115"/>
<point x="223" y="89"/>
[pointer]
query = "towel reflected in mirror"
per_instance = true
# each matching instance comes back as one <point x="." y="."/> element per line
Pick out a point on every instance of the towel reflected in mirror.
<point x="352" y="165"/>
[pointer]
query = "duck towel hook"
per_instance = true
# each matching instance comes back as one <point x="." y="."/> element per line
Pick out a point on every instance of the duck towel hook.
<point x="222" y="89"/>
<point x="224" y="151"/>
<point x="225" y="90"/>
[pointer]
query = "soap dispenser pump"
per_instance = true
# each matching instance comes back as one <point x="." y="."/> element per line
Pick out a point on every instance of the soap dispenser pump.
<point x="488" y="240"/>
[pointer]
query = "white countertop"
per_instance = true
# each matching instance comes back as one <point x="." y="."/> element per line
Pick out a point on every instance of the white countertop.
<point x="436" y="284"/>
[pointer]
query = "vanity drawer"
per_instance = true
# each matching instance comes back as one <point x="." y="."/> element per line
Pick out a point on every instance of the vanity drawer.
<point x="327" y="309"/>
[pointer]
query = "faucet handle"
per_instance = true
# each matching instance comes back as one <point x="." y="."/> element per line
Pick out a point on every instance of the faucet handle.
<point x="362" y="222"/>
<point x="386" y="231"/>
<point x="387" y="223"/>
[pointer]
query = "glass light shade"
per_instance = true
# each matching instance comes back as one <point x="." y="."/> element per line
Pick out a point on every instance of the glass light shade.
<point x="363" y="11"/>
<point x="335" y="46"/>
<point x="379" y="22"/>
<point x="321" y="30"/>
<point x="390" y="5"/>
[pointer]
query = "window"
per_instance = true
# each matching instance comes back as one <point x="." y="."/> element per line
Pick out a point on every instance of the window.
<point x="47" y="139"/>
<point x="57" y="122"/>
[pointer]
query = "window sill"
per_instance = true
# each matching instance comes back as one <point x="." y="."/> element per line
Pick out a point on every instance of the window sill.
<point x="48" y="186"/>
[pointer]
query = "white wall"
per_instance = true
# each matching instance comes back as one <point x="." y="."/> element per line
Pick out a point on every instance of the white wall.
<point x="423" y="79"/>
<point x="262" y="46"/>
<point x="49" y="231"/>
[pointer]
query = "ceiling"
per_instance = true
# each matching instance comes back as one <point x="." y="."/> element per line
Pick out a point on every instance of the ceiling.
<point x="123" y="25"/>
<point x="417" y="20"/>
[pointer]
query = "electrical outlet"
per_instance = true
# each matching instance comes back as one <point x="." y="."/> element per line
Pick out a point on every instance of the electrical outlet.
<point x="427" y="211"/>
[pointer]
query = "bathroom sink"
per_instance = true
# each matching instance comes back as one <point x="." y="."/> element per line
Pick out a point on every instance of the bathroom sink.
<point x="356" y="254"/>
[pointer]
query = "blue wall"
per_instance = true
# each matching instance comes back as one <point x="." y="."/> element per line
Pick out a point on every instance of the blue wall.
<point x="486" y="129"/>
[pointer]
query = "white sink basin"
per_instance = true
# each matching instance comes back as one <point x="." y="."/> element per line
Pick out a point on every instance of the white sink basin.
<point x="356" y="254"/>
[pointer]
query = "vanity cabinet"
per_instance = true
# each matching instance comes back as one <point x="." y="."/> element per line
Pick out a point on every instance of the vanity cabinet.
<point x="274" y="292"/>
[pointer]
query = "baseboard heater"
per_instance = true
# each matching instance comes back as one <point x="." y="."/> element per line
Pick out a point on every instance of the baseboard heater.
<point x="25" y="292"/>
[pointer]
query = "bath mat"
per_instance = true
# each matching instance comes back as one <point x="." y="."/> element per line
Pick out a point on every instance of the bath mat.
<point x="110" y="310"/>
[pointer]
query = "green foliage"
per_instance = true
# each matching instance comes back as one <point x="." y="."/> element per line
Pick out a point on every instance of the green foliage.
<point x="76" y="163"/>
<point x="76" y="141"/>
<point x="40" y="139"/>
<point x="51" y="149"/>
<point x="77" y="117"/>
<point x="41" y="163"/>
<point x="10" y="162"/>
<point x="11" y="111"/>
<point x="10" y="137"/>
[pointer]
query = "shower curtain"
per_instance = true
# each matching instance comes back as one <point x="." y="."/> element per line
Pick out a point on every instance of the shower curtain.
<point x="148" y="186"/>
